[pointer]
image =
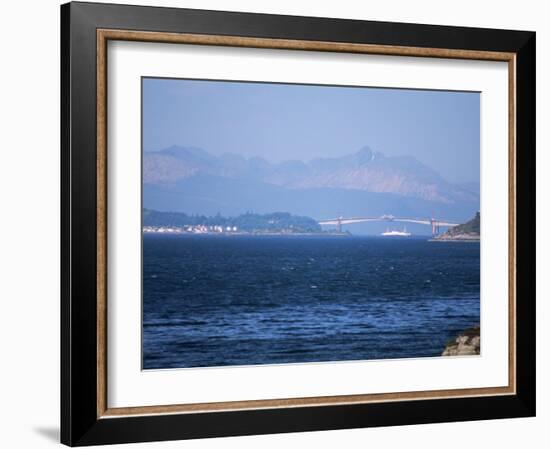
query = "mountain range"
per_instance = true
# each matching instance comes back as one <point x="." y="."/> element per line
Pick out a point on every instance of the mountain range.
<point x="191" y="180"/>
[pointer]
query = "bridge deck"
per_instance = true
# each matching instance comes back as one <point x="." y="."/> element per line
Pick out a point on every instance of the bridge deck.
<point x="351" y="220"/>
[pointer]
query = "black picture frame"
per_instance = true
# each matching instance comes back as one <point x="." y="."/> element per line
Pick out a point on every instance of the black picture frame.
<point x="80" y="424"/>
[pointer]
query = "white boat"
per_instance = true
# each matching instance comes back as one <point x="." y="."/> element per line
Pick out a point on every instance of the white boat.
<point x="394" y="233"/>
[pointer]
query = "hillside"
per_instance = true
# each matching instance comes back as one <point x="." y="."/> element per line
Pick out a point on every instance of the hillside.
<point x="249" y="222"/>
<point x="191" y="180"/>
<point x="364" y="170"/>
<point x="466" y="231"/>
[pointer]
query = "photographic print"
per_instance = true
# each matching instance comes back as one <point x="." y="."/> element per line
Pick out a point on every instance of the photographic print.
<point x="261" y="226"/>
<point x="292" y="223"/>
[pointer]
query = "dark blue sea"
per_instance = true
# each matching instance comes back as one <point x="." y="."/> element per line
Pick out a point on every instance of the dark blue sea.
<point x="246" y="300"/>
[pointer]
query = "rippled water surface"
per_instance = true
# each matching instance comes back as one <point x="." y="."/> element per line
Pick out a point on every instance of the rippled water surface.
<point x="243" y="300"/>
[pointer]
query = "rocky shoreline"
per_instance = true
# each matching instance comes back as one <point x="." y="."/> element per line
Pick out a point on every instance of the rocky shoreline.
<point x="464" y="237"/>
<point x="467" y="343"/>
<point x="467" y="232"/>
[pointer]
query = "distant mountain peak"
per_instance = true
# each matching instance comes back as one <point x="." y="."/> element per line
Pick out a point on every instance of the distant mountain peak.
<point x="366" y="154"/>
<point x="364" y="170"/>
<point x="182" y="152"/>
<point x="362" y="157"/>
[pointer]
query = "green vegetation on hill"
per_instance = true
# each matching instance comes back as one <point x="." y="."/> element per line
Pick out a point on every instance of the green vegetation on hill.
<point x="466" y="231"/>
<point x="249" y="222"/>
<point x="470" y="227"/>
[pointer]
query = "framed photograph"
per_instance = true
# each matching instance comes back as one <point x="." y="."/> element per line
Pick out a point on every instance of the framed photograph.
<point x="281" y="224"/>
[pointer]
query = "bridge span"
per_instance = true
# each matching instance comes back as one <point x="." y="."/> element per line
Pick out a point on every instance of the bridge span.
<point x="433" y="222"/>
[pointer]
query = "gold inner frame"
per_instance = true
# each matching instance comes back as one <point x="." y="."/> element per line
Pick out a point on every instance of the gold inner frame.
<point x="104" y="35"/>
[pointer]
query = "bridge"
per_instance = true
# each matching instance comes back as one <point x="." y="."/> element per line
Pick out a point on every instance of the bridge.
<point x="433" y="222"/>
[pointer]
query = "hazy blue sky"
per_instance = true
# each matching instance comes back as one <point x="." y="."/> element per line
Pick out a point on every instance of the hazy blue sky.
<point x="280" y="122"/>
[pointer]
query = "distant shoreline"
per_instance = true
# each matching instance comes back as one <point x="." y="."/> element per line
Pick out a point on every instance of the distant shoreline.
<point x="253" y="234"/>
<point x="293" y="234"/>
<point x="455" y="240"/>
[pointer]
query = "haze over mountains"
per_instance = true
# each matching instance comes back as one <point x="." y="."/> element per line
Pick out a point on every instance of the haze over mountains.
<point x="365" y="182"/>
